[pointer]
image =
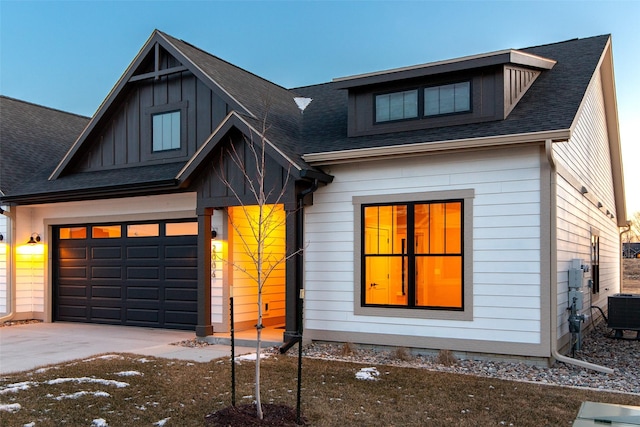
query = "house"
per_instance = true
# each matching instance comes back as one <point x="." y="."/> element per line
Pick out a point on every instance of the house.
<point x="630" y="250"/>
<point x="440" y="206"/>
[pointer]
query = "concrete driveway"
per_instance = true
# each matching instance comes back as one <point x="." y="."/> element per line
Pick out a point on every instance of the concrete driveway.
<point x="25" y="347"/>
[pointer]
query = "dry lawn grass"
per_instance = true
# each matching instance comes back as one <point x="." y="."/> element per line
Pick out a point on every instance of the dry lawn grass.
<point x="182" y="393"/>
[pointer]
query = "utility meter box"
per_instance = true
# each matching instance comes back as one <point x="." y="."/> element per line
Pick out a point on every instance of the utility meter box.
<point x="576" y="277"/>
<point x="576" y="274"/>
<point x="578" y="296"/>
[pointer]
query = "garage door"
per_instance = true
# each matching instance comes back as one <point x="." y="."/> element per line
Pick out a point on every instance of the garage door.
<point x="134" y="274"/>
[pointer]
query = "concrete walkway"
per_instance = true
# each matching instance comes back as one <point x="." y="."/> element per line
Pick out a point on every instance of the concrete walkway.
<point x="26" y="347"/>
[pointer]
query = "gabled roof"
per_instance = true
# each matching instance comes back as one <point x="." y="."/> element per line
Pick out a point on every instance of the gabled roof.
<point x="303" y="141"/>
<point x="548" y="108"/>
<point x="32" y="140"/>
<point x="245" y="92"/>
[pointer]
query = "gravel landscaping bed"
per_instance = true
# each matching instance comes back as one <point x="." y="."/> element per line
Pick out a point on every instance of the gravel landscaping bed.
<point x="599" y="347"/>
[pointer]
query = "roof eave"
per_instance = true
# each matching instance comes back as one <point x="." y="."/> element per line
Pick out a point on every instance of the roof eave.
<point x="509" y="56"/>
<point x="415" y="149"/>
<point x="121" y="190"/>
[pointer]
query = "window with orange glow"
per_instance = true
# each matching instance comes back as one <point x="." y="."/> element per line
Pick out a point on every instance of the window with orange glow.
<point x="73" y="232"/>
<point x="106" y="231"/>
<point x="412" y="255"/>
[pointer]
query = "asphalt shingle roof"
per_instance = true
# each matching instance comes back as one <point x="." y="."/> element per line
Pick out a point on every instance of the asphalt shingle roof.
<point x="550" y="104"/>
<point x="34" y="139"/>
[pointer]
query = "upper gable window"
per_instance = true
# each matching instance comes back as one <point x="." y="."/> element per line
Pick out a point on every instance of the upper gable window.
<point x="447" y="99"/>
<point x="397" y="106"/>
<point x="166" y="131"/>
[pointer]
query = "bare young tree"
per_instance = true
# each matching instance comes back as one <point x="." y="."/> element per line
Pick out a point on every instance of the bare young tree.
<point x="264" y="217"/>
<point x="633" y="235"/>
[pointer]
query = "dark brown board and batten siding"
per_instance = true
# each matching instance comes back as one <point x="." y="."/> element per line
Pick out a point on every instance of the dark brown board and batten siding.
<point x="125" y="138"/>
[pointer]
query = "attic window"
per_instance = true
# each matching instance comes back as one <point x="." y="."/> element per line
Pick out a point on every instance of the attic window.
<point x="166" y="131"/>
<point x="397" y="106"/>
<point x="447" y="99"/>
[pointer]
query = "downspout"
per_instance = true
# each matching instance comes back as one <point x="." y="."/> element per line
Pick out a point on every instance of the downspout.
<point x="11" y="283"/>
<point x="299" y="267"/>
<point x="553" y="294"/>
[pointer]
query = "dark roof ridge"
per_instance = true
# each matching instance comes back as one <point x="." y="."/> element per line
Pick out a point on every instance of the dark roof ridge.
<point x="57" y="110"/>
<point x="223" y="60"/>
<point x="564" y="41"/>
<point x="311" y="85"/>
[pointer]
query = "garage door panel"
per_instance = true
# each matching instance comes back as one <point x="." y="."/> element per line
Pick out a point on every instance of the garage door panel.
<point x="180" y="273"/>
<point x="141" y="281"/>
<point x="73" y="272"/>
<point x="106" y="272"/>
<point x="177" y="294"/>
<point x="110" y="252"/>
<point x="73" y="290"/>
<point x="143" y="293"/>
<point x="74" y="312"/>
<point x="142" y="252"/>
<point x="106" y="313"/>
<point x="106" y="292"/>
<point x="146" y="273"/>
<point x="150" y="316"/>
<point x="181" y="251"/>
<point x="69" y="253"/>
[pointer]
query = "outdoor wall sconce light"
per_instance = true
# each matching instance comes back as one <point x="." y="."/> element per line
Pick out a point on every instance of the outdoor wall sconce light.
<point x="1" y="237"/>
<point x="214" y="234"/>
<point x="34" y="239"/>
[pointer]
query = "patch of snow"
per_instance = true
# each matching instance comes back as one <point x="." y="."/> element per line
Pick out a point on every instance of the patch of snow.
<point x="145" y="360"/>
<point x="104" y="357"/>
<point x="251" y="356"/>
<point x="128" y="373"/>
<point x="369" y="374"/>
<point x="161" y="422"/>
<point x="79" y="394"/>
<point x="81" y="380"/>
<point x="16" y="387"/>
<point x="99" y="422"/>
<point x="10" y="407"/>
<point x="31" y="424"/>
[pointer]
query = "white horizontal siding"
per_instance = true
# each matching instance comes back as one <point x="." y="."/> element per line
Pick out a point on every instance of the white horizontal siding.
<point x="506" y="238"/>
<point x="586" y="159"/>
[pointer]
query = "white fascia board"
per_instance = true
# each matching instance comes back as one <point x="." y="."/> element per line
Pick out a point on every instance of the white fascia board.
<point x="408" y="150"/>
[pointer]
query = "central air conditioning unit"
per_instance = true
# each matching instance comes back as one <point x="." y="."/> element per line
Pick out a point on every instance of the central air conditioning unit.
<point x="624" y="313"/>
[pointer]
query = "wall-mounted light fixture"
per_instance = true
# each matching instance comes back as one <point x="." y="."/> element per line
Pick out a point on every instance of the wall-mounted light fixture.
<point x="214" y="234"/>
<point x="34" y="239"/>
<point x="599" y="205"/>
<point x="584" y="190"/>
<point x="1" y="237"/>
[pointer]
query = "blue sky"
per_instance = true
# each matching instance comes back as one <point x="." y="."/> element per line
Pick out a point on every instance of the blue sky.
<point x="69" y="54"/>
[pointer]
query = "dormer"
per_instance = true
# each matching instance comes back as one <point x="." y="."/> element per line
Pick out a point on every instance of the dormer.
<point x="466" y="90"/>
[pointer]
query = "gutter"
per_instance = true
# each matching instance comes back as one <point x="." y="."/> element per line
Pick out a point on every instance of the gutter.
<point x="120" y="190"/>
<point x="11" y="283"/>
<point x="418" y="148"/>
<point x="553" y="294"/>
